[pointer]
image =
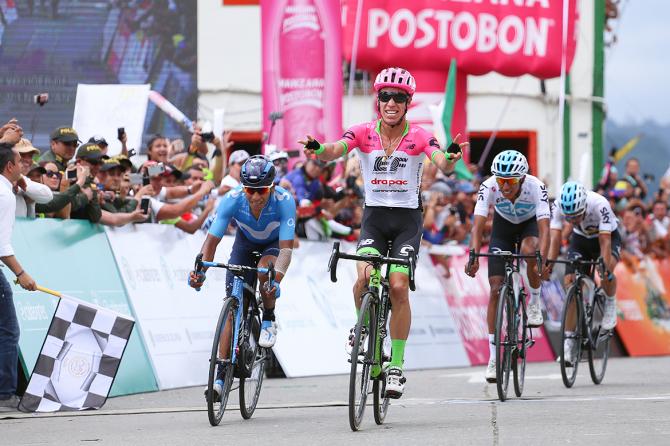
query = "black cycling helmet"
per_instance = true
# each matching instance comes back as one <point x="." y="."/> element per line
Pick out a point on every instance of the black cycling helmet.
<point x="258" y="171"/>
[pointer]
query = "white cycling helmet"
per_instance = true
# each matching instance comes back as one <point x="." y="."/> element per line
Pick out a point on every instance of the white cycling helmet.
<point x="509" y="164"/>
<point x="397" y="78"/>
<point x="573" y="198"/>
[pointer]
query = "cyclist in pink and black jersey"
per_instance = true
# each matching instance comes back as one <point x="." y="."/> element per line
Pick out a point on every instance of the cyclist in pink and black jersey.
<point x="392" y="153"/>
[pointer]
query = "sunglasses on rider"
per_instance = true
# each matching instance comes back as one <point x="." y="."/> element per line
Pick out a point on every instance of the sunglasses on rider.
<point x="257" y="190"/>
<point x="398" y="98"/>
<point x="511" y="181"/>
<point x="53" y="174"/>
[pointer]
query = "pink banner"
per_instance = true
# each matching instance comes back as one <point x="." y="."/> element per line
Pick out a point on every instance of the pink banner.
<point x="468" y="299"/>
<point x="511" y="37"/>
<point x="302" y="70"/>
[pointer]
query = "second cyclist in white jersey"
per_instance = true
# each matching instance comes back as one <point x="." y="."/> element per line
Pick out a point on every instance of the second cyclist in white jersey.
<point x="594" y="234"/>
<point x="521" y="216"/>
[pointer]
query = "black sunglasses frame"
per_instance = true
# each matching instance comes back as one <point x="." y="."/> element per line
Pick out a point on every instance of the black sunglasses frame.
<point x="398" y="98"/>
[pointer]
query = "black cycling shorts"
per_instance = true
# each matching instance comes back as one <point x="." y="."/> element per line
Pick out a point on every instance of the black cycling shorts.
<point x="589" y="249"/>
<point x="505" y="236"/>
<point x="401" y="227"/>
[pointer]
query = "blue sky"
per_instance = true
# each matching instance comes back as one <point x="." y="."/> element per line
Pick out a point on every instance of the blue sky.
<point x="637" y="67"/>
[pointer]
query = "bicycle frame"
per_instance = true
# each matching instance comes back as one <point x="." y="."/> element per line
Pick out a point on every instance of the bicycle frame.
<point x="238" y="294"/>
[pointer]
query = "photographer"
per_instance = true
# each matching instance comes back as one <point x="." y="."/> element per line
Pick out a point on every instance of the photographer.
<point x="66" y="192"/>
<point x="115" y="199"/>
<point x="28" y="192"/>
<point x="633" y="177"/>
<point x="442" y="221"/>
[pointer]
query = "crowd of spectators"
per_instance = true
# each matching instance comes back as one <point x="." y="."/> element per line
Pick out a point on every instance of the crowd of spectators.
<point x="180" y="184"/>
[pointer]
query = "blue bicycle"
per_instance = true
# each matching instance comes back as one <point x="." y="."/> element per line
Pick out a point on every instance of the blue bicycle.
<point x="235" y="350"/>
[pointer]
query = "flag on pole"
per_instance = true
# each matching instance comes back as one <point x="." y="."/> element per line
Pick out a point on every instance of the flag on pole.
<point x="443" y="115"/>
<point x="623" y="151"/>
<point x="79" y="358"/>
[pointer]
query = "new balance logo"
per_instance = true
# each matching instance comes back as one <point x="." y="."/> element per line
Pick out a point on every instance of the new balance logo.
<point x="365" y="242"/>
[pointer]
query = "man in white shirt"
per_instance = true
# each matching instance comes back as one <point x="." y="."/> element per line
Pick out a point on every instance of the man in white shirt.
<point x="232" y="180"/>
<point x="29" y="192"/>
<point x="10" y="173"/>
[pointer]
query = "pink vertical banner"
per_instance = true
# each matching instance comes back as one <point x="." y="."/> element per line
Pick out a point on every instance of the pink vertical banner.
<point x="468" y="298"/>
<point x="302" y="72"/>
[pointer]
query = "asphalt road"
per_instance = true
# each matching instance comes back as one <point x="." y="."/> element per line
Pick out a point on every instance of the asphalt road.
<point x="447" y="406"/>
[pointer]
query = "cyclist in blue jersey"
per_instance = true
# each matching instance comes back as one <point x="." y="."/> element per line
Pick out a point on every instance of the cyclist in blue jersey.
<point x="265" y="217"/>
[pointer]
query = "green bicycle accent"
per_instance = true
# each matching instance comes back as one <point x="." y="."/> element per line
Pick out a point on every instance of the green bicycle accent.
<point x="371" y="329"/>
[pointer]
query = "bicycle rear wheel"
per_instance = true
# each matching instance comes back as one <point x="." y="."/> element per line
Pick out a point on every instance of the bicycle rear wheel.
<point x="572" y="303"/>
<point x="504" y="340"/>
<point x="361" y="361"/>
<point x="599" y="347"/>
<point x="519" y="354"/>
<point x="216" y="406"/>
<point x="250" y="387"/>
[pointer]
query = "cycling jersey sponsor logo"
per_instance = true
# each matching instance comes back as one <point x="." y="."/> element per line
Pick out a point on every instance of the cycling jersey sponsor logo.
<point x="377" y="181"/>
<point x="367" y="241"/>
<point x="433" y="142"/>
<point x="349" y="135"/>
<point x="383" y="164"/>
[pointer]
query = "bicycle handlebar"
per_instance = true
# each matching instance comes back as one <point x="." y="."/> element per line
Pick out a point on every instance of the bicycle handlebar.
<point x="507" y="255"/>
<point x="237" y="270"/>
<point x="600" y="263"/>
<point x="378" y="260"/>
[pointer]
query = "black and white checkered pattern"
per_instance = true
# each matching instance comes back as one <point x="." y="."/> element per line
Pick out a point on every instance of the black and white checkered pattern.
<point x="79" y="359"/>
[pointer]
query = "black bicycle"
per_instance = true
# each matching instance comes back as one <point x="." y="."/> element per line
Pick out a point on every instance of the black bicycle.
<point x="367" y="355"/>
<point x="513" y="336"/>
<point x="582" y="316"/>
<point x="235" y="350"/>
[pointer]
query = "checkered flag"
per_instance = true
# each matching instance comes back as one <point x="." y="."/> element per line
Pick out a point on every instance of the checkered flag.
<point x="79" y="358"/>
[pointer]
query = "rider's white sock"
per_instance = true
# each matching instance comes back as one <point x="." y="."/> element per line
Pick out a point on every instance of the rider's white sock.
<point x="534" y="295"/>
<point x="492" y="346"/>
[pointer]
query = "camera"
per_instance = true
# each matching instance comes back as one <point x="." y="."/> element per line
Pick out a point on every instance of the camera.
<point x="156" y="170"/>
<point x="41" y="99"/>
<point x="144" y="205"/>
<point x="120" y="132"/>
<point x="131" y="152"/>
<point x="207" y="136"/>
<point x="135" y="178"/>
<point x="71" y="175"/>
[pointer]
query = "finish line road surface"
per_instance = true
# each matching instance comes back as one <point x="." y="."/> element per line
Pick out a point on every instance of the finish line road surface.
<point x="446" y="406"/>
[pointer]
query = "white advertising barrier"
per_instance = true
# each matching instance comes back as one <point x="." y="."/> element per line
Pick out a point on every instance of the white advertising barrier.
<point x="102" y="109"/>
<point x="176" y="322"/>
<point x="315" y="316"/>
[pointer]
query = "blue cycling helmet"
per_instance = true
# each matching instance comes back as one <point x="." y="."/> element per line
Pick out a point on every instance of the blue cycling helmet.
<point x="573" y="198"/>
<point x="257" y="171"/>
<point x="509" y="164"/>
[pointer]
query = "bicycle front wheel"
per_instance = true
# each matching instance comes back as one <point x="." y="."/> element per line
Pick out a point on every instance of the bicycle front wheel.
<point x="504" y="340"/>
<point x="521" y="350"/>
<point x="362" y="358"/>
<point x="572" y="305"/>
<point x="220" y="368"/>
<point x="599" y="348"/>
<point x="250" y="387"/>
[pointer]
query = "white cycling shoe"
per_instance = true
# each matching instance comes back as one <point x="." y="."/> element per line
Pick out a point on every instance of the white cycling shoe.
<point x="569" y="352"/>
<point x="490" y="374"/>
<point x="395" y="382"/>
<point x="268" y="335"/>
<point x="349" y="346"/>
<point x="535" y="318"/>
<point x="609" y="318"/>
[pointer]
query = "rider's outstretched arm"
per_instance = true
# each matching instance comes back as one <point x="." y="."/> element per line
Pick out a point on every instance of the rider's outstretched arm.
<point x="325" y="152"/>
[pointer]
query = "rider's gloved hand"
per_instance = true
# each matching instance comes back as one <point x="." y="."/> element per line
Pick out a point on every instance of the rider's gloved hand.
<point x="196" y="279"/>
<point x="274" y="286"/>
